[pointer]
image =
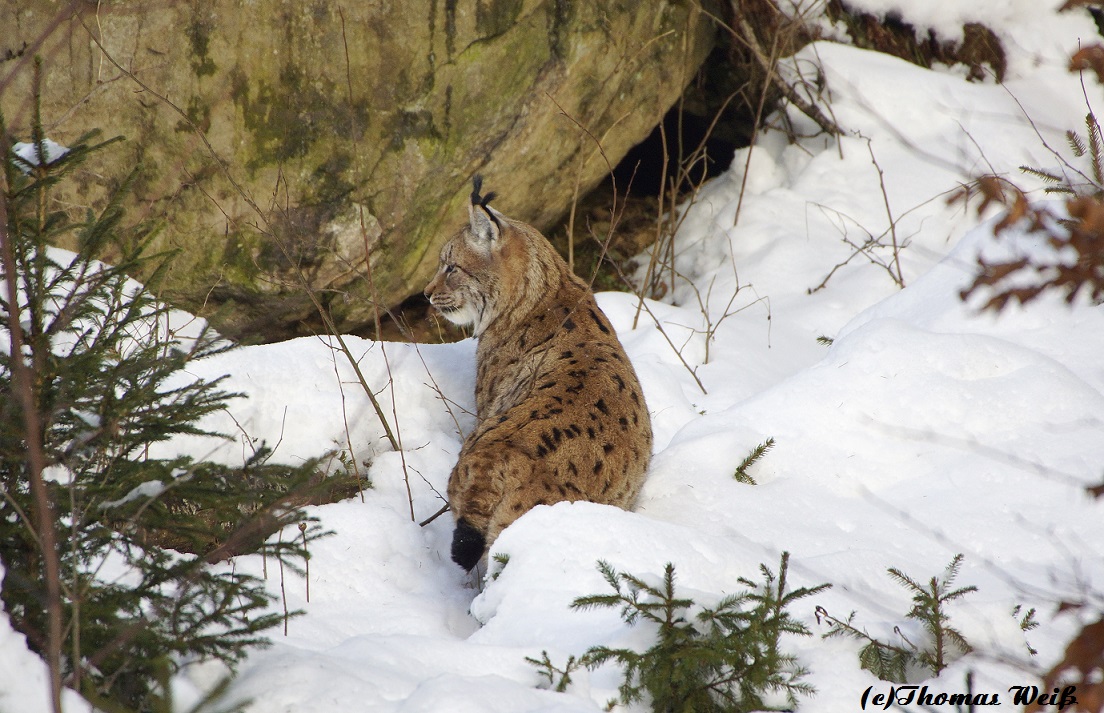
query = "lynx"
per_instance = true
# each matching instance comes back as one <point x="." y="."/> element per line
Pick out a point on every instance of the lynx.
<point x="560" y="415"/>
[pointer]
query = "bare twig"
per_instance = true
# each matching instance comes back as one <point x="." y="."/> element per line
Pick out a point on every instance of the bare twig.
<point x="434" y="516"/>
<point x="283" y="591"/>
<point x="345" y="422"/>
<point x="774" y="57"/>
<point x="745" y="35"/>
<point x="896" y="272"/>
<point x="303" y="531"/>
<point x="711" y="327"/>
<point x="615" y="214"/>
<point x="871" y="243"/>
<point x="448" y="403"/>
<point x="654" y="256"/>
<point x="597" y="143"/>
<point x="617" y="209"/>
<point x="398" y="432"/>
<point x="663" y="332"/>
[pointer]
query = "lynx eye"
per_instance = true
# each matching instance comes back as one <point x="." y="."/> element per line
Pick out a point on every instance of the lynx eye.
<point x="449" y="269"/>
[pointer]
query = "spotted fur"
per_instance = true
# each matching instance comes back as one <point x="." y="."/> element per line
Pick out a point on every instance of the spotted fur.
<point x="560" y="413"/>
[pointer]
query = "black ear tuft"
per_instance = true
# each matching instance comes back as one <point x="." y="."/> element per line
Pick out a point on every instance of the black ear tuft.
<point x="476" y="199"/>
<point x="477" y="185"/>
<point x="467" y="545"/>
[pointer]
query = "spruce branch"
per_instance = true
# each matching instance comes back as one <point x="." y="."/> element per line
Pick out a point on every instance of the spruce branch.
<point x="1092" y="129"/>
<point x="886" y="661"/>
<point x="1027" y="622"/>
<point x="741" y="475"/>
<point x="1076" y="144"/>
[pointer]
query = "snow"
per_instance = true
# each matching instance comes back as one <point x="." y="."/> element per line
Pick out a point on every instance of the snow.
<point x="148" y="489"/>
<point x="24" y="680"/>
<point x="925" y="429"/>
<point x="28" y="152"/>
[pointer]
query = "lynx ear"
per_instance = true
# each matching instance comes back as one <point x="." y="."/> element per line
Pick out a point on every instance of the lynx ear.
<point x="485" y="227"/>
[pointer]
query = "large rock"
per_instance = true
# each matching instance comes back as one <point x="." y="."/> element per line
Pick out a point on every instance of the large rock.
<point x="278" y="140"/>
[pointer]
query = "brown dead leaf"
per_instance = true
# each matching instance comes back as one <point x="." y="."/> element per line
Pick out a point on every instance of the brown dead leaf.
<point x="1091" y="57"/>
<point x="1096" y="491"/>
<point x="1074" y="4"/>
<point x="1016" y="212"/>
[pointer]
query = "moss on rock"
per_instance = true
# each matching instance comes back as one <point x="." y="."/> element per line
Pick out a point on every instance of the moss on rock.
<point x="279" y="141"/>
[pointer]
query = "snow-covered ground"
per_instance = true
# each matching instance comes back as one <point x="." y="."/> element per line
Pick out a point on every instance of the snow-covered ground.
<point x="924" y="430"/>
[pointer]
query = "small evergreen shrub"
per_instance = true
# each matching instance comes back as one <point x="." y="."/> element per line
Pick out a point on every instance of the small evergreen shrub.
<point x="944" y="643"/>
<point x="724" y="658"/>
<point x="91" y="376"/>
<point x="559" y="679"/>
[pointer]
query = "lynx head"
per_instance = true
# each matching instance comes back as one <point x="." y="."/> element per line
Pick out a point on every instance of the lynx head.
<point x="482" y="267"/>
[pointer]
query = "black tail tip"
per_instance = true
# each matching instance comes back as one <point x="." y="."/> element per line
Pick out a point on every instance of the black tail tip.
<point x="467" y="545"/>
